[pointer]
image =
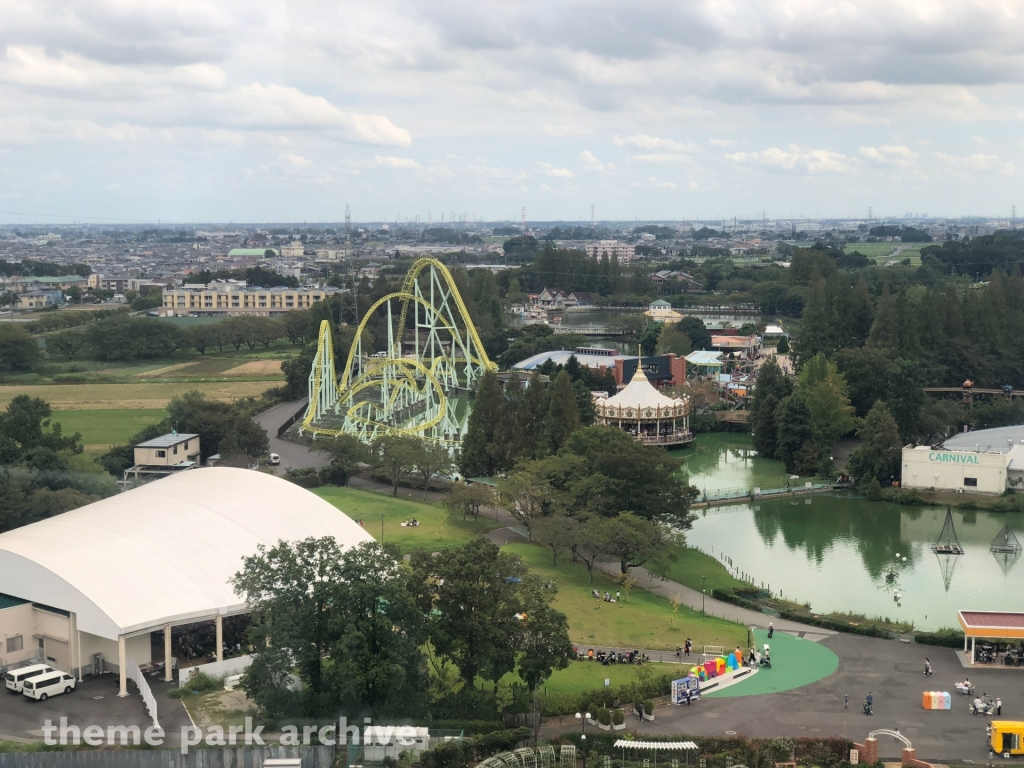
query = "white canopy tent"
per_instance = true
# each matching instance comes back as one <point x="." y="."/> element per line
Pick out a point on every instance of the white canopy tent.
<point x="162" y="554"/>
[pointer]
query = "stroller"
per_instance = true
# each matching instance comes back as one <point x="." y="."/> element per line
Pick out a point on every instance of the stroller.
<point x="766" y="658"/>
<point x="868" y="708"/>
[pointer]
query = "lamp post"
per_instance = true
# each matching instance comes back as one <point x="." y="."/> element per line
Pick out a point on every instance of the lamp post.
<point x="703" y="591"/>
<point x="583" y="721"/>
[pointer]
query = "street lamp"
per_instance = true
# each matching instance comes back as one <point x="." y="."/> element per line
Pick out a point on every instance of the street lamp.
<point x="703" y="591"/>
<point x="583" y="721"/>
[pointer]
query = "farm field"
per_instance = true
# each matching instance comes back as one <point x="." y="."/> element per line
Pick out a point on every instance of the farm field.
<point x="883" y="252"/>
<point x="132" y="396"/>
<point x="103" y="428"/>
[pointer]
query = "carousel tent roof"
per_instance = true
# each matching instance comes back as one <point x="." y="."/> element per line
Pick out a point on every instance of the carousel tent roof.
<point x="640" y="393"/>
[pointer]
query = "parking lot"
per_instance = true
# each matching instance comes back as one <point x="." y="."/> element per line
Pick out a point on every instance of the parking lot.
<point x="93" y="702"/>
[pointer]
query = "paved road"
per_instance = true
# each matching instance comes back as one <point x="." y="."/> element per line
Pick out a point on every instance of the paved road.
<point x="293" y="455"/>
<point x="892" y="671"/>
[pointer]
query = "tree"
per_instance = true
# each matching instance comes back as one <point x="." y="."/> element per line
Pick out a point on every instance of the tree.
<point x="824" y="389"/>
<point x="396" y="457"/>
<point x="468" y="499"/>
<point x="18" y="350"/>
<point x="123" y="337"/>
<point x="431" y="459"/>
<point x="765" y="429"/>
<point x="674" y="340"/>
<point x="472" y="595"/>
<point x="525" y="493"/>
<point x="481" y="454"/>
<point x="634" y="540"/>
<point x="244" y="438"/>
<point x="797" y="448"/>
<point x="26" y="425"/>
<point x="555" y="533"/>
<point x="563" y="413"/>
<point x="212" y="420"/>
<point x="346" y="621"/>
<point x="66" y="344"/>
<point x="348" y="454"/>
<point x="879" y="455"/>
<point x="905" y="395"/>
<point x="696" y="331"/>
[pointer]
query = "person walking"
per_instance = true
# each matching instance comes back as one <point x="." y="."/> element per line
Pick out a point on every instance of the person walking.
<point x="771" y="630"/>
<point x="640" y="711"/>
<point x="927" y="667"/>
<point x="846" y="701"/>
<point x="869" y="704"/>
<point x="999" y="707"/>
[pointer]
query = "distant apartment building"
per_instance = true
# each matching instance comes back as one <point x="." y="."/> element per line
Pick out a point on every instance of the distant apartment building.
<point x="115" y="283"/>
<point x="232" y="298"/>
<point x="295" y="249"/>
<point x="40" y="299"/>
<point x="59" y="283"/>
<point x="623" y="251"/>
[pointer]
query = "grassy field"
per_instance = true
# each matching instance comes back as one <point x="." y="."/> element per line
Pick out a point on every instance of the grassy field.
<point x="101" y="429"/>
<point x="433" y="533"/>
<point x="883" y="252"/>
<point x="582" y="676"/>
<point x="137" y="395"/>
<point x="692" y="565"/>
<point x="646" y="621"/>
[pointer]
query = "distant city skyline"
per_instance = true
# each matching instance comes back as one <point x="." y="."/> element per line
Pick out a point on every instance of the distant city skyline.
<point x="193" y="111"/>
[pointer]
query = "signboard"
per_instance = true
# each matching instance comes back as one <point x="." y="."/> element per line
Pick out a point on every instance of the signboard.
<point x="854" y="757"/>
<point x="655" y="368"/>
<point x="953" y="458"/>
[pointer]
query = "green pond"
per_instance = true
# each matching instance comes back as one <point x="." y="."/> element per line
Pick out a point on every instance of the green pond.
<point x="834" y="550"/>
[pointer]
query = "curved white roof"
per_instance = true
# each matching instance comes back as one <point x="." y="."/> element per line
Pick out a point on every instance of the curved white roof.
<point x="164" y="552"/>
<point x="640" y="393"/>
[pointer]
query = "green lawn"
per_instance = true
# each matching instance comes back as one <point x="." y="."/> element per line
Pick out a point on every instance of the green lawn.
<point x="692" y="565"/>
<point x="433" y="533"/>
<point x="646" y="621"/>
<point x="103" y="428"/>
<point x="582" y="676"/>
<point x="795" y="662"/>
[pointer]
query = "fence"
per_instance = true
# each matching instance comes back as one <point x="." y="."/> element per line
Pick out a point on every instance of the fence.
<point x="229" y="757"/>
<point x="294" y="417"/>
<point x="215" y="669"/>
<point x="135" y="675"/>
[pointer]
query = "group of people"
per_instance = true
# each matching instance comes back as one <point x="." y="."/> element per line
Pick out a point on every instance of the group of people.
<point x="412" y="523"/>
<point x="611" y="657"/>
<point x="607" y="596"/>
<point x="983" y="705"/>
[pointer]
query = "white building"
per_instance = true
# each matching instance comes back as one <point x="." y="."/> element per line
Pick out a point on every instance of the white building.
<point x="953" y="470"/>
<point x="623" y="251"/>
<point x="100" y="579"/>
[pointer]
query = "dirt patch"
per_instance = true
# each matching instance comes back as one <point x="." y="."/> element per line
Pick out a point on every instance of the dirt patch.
<point x="223" y="708"/>
<point x="256" y="368"/>
<point x="75" y="397"/>
<point x="162" y="371"/>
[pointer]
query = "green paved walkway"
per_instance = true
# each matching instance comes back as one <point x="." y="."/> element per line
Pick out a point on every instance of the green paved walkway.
<point x="795" y="662"/>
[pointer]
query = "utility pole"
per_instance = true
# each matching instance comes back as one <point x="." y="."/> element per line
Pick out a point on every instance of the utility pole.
<point x="348" y="222"/>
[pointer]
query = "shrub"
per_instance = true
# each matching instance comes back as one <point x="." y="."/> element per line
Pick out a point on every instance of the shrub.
<point x="604" y="716"/>
<point x="648" y="707"/>
<point x="618" y="717"/>
<point x="947" y="638"/>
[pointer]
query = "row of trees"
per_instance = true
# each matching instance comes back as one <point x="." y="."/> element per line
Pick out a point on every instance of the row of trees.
<point x="353" y="625"/>
<point x="43" y="472"/>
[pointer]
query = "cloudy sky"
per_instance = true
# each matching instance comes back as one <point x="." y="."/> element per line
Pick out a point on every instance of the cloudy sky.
<point x="185" y="110"/>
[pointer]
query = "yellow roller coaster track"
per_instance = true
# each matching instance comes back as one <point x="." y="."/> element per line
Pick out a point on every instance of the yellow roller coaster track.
<point x="397" y="374"/>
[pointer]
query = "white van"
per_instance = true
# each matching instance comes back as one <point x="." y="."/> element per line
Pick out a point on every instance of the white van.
<point x="44" y="686"/>
<point x="16" y="677"/>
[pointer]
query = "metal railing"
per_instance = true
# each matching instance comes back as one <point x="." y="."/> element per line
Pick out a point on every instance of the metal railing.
<point x="135" y="675"/>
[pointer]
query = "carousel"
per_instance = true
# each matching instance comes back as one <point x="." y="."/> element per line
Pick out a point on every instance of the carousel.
<point x="645" y="413"/>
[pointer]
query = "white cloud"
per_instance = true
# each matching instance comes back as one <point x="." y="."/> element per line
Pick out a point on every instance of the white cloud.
<point x="972" y="164"/>
<point x="722" y="142"/>
<point x="294" y="161"/>
<point x="655" y="183"/>
<point x="642" y="141"/>
<point x="795" y="159"/>
<point x="661" y="158"/>
<point x="590" y="162"/>
<point x="387" y="161"/>
<point x="559" y="173"/>
<point x="888" y="154"/>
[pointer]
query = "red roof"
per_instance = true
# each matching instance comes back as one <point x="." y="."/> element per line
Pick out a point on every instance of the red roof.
<point x="993" y="619"/>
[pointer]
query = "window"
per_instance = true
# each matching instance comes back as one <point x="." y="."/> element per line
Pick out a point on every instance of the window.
<point x="971" y="482"/>
<point x="161" y="454"/>
<point x="15" y="643"/>
<point x="175" y="449"/>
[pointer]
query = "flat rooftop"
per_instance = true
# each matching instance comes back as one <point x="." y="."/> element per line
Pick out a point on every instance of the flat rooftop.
<point x="1000" y="439"/>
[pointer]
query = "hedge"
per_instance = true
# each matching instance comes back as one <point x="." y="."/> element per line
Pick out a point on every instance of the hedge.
<point x="738" y="750"/>
<point x="869" y="630"/>
<point x="728" y="596"/>
<point x="591" y="701"/>
<point x="455" y="754"/>
<point x="947" y="638"/>
<point x="468" y="727"/>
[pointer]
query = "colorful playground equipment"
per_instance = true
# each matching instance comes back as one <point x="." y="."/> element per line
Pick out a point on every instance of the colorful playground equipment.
<point x="936" y="700"/>
<point x="717" y="667"/>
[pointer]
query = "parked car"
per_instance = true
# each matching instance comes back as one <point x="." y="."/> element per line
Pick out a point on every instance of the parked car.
<point x="16" y="677"/>
<point x="275" y="459"/>
<point x="44" y="686"/>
